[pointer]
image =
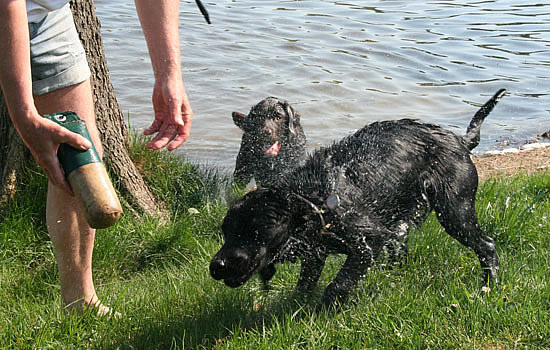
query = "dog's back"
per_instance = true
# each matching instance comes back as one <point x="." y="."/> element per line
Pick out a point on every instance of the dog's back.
<point x="388" y="159"/>
<point x="389" y="163"/>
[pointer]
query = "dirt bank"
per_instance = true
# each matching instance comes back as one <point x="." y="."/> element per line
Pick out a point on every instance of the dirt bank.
<point x="527" y="160"/>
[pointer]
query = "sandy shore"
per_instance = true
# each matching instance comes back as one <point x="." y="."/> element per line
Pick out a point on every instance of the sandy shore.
<point x="527" y="159"/>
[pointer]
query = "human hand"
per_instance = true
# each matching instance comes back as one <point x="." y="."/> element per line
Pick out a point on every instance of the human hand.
<point x="43" y="137"/>
<point x="173" y="114"/>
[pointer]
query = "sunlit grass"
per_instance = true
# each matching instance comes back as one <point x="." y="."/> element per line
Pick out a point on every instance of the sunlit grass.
<point x="156" y="274"/>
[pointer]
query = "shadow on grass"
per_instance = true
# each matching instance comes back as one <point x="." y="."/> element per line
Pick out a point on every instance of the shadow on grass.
<point x="215" y="325"/>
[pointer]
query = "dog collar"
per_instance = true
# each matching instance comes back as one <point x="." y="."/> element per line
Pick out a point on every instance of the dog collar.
<point x="331" y="203"/>
<point x="316" y="210"/>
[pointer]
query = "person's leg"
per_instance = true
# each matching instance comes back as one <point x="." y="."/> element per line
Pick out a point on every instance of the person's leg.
<point x="61" y="83"/>
<point x="70" y="233"/>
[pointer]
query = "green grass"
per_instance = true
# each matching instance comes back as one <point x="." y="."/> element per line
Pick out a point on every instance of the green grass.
<point x="156" y="275"/>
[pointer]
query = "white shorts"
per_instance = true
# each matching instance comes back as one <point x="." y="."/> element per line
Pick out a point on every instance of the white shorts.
<point x="58" y="59"/>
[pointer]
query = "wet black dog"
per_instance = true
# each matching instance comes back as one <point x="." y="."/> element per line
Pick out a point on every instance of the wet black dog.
<point x="273" y="142"/>
<point x="354" y="198"/>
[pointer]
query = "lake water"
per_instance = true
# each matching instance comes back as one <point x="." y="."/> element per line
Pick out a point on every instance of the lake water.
<point x="343" y="64"/>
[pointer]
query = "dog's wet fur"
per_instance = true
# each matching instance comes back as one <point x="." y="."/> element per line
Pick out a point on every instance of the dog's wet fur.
<point x="356" y="197"/>
<point x="273" y="142"/>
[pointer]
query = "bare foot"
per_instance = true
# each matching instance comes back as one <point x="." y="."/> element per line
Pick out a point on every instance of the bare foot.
<point x="94" y="307"/>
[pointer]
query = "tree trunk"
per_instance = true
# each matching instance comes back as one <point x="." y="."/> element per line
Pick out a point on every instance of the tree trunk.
<point x="14" y="155"/>
<point x="110" y="122"/>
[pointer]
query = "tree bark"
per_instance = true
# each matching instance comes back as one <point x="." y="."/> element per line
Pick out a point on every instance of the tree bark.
<point x="14" y="155"/>
<point x="110" y="122"/>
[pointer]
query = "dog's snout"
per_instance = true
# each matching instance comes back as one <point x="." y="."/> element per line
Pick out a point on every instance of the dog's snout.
<point x="229" y="263"/>
<point x="217" y="267"/>
<point x="269" y="131"/>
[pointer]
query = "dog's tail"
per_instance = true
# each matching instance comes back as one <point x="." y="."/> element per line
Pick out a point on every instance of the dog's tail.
<point x="471" y="139"/>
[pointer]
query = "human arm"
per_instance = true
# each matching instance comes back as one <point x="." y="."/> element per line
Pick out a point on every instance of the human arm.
<point x="173" y="113"/>
<point x="40" y="135"/>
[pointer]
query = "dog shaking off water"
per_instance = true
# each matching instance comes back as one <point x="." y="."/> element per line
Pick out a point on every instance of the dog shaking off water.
<point x="273" y="142"/>
<point x="354" y="198"/>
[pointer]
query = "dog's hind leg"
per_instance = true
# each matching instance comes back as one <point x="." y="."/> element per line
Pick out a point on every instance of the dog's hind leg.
<point x="457" y="214"/>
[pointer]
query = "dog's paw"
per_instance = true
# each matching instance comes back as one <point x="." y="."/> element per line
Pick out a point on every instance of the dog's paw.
<point x="329" y="307"/>
<point x="267" y="273"/>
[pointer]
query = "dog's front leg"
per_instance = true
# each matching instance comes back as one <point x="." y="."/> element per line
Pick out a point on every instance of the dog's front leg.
<point x="311" y="268"/>
<point x="354" y="268"/>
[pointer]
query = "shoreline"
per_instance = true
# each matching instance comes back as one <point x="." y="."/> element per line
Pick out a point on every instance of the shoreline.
<point x="527" y="158"/>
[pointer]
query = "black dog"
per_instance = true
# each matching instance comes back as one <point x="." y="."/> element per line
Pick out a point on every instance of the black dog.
<point x="354" y="198"/>
<point x="273" y="142"/>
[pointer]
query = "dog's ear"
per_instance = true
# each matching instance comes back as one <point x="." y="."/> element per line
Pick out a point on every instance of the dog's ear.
<point x="293" y="118"/>
<point x="241" y="120"/>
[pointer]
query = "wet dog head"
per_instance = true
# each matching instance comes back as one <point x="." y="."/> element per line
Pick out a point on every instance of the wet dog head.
<point x="271" y="126"/>
<point x="255" y="228"/>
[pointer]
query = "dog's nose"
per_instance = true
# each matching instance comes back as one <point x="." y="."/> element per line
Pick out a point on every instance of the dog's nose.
<point x="217" y="267"/>
<point x="268" y="131"/>
<point x="228" y="264"/>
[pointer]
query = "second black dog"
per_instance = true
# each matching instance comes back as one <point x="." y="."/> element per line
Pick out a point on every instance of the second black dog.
<point x="273" y="142"/>
<point x="354" y="198"/>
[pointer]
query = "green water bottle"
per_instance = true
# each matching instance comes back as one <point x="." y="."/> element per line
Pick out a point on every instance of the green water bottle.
<point x="87" y="175"/>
